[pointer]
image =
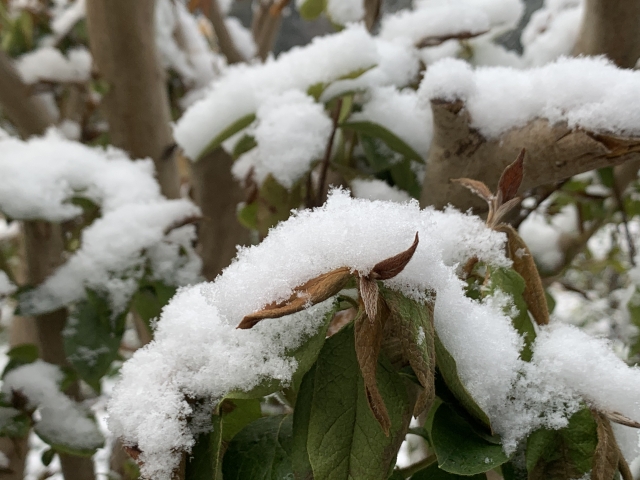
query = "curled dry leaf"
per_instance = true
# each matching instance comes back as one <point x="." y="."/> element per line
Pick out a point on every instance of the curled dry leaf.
<point x="392" y="266"/>
<point x="340" y="319"/>
<point x="134" y="452"/>
<point x="621" y="419"/>
<point x="368" y="340"/>
<point x="369" y="296"/>
<point x="511" y="179"/>
<point x="525" y="266"/>
<point x="314" y="291"/>
<point x="477" y="187"/>
<point x="607" y="454"/>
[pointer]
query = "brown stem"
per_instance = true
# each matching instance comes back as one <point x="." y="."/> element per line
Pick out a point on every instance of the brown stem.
<point x="324" y="168"/>
<point x="225" y="42"/>
<point x="28" y="113"/>
<point x="136" y="104"/>
<point x="266" y="25"/>
<point x="372" y="9"/>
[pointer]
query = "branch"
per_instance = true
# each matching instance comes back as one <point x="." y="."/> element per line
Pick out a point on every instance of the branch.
<point x="554" y="153"/>
<point x="611" y="29"/>
<point x="266" y="23"/>
<point x="28" y="113"/>
<point x="225" y="42"/>
<point x="121" y="34"/>
<point x="372" y="10"/>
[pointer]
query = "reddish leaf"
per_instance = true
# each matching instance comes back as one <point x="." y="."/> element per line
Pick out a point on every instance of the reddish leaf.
<point x="314" y="291"/>
<point x="511" y="178"/>
<point x="476" y="186"/>
<point x="392" y="266"/>
<point x="369" y="296"/>
<point x="607" y="454"/>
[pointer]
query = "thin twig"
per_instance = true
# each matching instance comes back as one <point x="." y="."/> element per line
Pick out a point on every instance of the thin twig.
<point x="327" y="155"/>
<point x="228" y="48"/>
<point x="539" y="202"/>
<point x="625" y="222"/>
<point x="407" y="472"/>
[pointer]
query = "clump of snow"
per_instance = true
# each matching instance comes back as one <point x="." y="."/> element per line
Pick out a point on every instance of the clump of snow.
<point x="243" y="88"/>
<point x="49" y="64"/>
<point x="345" y="11"/>
<point x="7" y="287"/>
<point x="399" y="112"/>
<point x="589" y="93"/>
<point x="292" y="131"/>
<point x="375" y="189"/>
<point x="308" y="244"/>
<point x="61" y="420"/>
<point x="242" y="37"/>
<point x="552" y="31"/>
<point x="43" y="175"/>
<point x="64" y="18"/>
<point x="434" y="22"/>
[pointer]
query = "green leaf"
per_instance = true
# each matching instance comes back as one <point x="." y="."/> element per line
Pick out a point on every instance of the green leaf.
<point x="261" y="451"/>
<point x="275" y="203"/>
<point x="150" y="299"/>
<point x="13" y="423"/>
<point x="312" y="9"/>
<point x="405" y="178"/>
<point x="433" y="472"/>
<point x="21" y="355"/>
<point x="47" y="456"/>
<point x="511" y="283"/>
<point x="246" y="143"/>
<point x="459" y="448"/>
<point x="248" y="216"/>
<point x="232" y="416"/>
<point x="565" y="453"/>
<point x="231" y="130"/>
<point x="606" y="176"/>
<point x="633" y="306"/>
<point x="344" y="440"/>
<point x="302" y="469"/>
<point x="511" y="471"/>
<point x="394" y="142"/>
<point x="376" y="159"/>
<point x="449" y="373"/>
<point x="92" y="338"/>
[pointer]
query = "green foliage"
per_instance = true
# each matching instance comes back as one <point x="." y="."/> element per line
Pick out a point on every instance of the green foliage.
<point x="20" y="355"/>
<point x="460" y="449"/>
<point x="343" y="438"/>
<point x="150" y="299"/>
<point x="92" y="337"/>
<point x="394" y="142"/>
<point x="312" y="9"/>
<point x="230" y="131"/>
<point x="434" y="472"/>
<point x="564" y="453"/>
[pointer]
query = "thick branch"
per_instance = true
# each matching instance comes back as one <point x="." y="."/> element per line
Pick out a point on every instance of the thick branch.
<point x="371" y="13"/>
<point x="225" y="42"/>
<point x="266" y="24"/>
<point x="218" y="195"/>
<point x="554" y="152"/>
<point x="28" y="113"/>
<point x="611" y="28"/>
<point x="121" y="34"/>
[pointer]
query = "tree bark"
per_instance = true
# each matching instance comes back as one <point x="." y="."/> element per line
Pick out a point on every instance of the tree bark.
<point x="554" y="152"/>
<point x="121" y="35"/>
<point x="218" y="195"/>
<point x="28" y="113"/>
<point x="611" y="28"/>
<point x="225" y="42"/>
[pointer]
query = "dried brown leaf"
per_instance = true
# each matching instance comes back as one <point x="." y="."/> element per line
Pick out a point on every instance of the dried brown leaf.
<point x="134" y="452"/>
<point x="314" y="291"/>
<point x="340" y="319"/>
<point x="369" y="296"/>
<point x="392" y="266"/>
<point x="607" y="454"/>
<point x="525" y="266"/>
<point x="503" y="210"/>
<point x="477" y="187"/>
<point x="511" y="178"/>
<point x="368" y="339"/>
<point x="621" y="419"/>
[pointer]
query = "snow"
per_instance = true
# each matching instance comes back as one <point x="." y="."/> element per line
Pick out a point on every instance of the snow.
<point x="6" y="285"/>
<point x="242" y="37"/>
<point x="49" y="64"/>
<point x="44" y="174"/>
<point x="343" y="12"/>
<point x="501" y="13"/>
<point x="242" y="89"/>
<point x="306" y="245"/>
<point x="552" y="31"/>
<point x="292" y="132"/>
<point x="62" y="420"/>
<point x="400" y="112"/>
<point x="375" y="189"/>
<point x="588" y="93"/>
<point x="64" y="19"/>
